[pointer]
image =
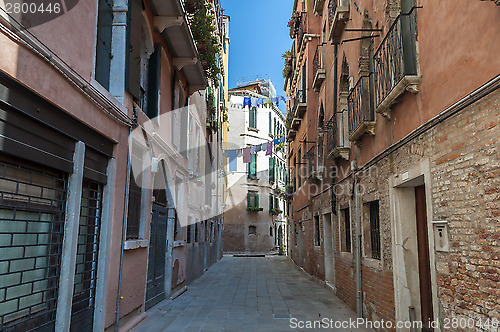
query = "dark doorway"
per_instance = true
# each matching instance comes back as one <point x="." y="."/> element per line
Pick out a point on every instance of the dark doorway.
<point x="155" y="288"/>
<point x="423" y="259"/>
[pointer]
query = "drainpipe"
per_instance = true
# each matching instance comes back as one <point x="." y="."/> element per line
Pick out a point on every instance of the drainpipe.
<point x="357" y="220"/>
<point x="124" y="225"/>
<point x="335" y="96"/>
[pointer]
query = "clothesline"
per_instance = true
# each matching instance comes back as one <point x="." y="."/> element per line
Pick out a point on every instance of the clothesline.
<point x="240" y="101"/>
<point x="247" y="152"/>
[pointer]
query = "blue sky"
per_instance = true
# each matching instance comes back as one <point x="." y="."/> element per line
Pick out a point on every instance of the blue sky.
<point x="259" y="36"/>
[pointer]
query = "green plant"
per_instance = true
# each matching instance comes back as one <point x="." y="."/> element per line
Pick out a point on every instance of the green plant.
<point x="254" y="208"/>
<point x="204" y="33"/>
<point x="293" y="24"/>
<point x="276" y="211"/>
<point x="288" y="58"/>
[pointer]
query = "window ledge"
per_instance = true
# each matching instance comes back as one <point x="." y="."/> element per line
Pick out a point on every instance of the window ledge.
<point x="253" y="129"/>
<point x="372" y="263"/>
<point x="135" y="244"/>
<point x="179" y="243"/>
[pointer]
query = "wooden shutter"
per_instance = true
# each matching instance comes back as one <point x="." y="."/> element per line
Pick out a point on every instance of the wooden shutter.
<point x="248" y="200"/>
<point x="271" y="170"/>
<point x="103" y="46"/>
<point x="253" y="165"/>
<point x="256" y="202"/>
<point x="270" y="202"/>
<point x="154" y="83"/>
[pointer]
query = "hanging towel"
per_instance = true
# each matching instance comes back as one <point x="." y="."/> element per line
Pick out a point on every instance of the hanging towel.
<point x="233" y="162"/>
<point x="258" y="148"/>
<point x="246" y="155"/>
<point x="260" y="101"/>
<point x="276" y="141"/>
<point x="236" y="101"/>
<point x="239" y="153"/>
<point x="227" y="153"/>
<point x="269" y="149"/>
<point x="254" y="102"/>
<point x="252" y="149"/>
<point x="282" y="139"/>
<point x="247" y="102"/>
<point x="275" y="100"/>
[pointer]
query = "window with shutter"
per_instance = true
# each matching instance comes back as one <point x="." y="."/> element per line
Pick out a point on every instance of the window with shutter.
<point x="103" y="46"/>
<point x="271" y="200"/>
<point x="271" y="170"/>
<point x="253" y="118"/>
<point x="154" y="83"/>
<point x="252" y="167"/>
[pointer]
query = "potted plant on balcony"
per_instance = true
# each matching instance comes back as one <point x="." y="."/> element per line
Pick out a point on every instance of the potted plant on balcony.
<point x="275" y="211"/>
<point x="202" y="26"/>
<point x="293" y="24"/>
<point x="254" y="208"/>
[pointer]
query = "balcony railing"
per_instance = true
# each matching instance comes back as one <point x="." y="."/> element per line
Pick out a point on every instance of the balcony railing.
<point x="395" y="62"/>
<point x="331" y="135"/>
<point x="338" y="14"/>
<point x="361" y="115"/>
<point x="319" y="73"/>
<point x="299" y="103"/>
<point x="302" y="28"/>
<point x="311" y="160"/>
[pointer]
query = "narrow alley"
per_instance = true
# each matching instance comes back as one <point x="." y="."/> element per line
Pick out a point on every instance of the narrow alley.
<point x="250" y="294"/>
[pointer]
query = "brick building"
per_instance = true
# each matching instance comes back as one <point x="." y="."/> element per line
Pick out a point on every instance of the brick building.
<point x="398" y="200"/>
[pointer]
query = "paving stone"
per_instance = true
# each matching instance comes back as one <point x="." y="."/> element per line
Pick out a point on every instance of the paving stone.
<point x="247" y="294"/>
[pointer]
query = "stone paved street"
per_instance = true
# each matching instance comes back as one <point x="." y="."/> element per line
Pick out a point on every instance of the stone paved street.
<point x="248" y="294"/>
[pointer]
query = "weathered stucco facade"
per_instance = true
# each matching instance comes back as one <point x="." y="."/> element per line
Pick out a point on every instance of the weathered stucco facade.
<point x="85" y="98"/>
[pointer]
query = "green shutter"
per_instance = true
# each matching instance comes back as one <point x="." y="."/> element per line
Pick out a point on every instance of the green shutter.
<point x="253" y="166"/>
<point x="248" y="200"/>
<point x="271" y="169"/>
<point x="154" y="82"/>
<point x="103" y="46"/>
<point x="256" y="200"/>
<point x="276" y="203"/>
<point x="253" y="118"/>
<point x="270" y="202"/>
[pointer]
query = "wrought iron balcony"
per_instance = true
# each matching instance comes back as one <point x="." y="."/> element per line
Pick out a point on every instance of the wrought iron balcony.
<point x="361" y="115"/>
<point x="311" y="160"/>
<point x="299" y="104"/>
<point x="334" y="146"/>
<point x="330" y="128"/>
<point x="395" y="63"/>
<point x="338" y="14"/>
<point x="319" y="72"/>
<point x="302" y="29"/>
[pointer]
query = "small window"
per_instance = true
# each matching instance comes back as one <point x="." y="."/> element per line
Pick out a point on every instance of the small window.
<point x="252" y="230"/>
<point x="253" y="118"/>
<point x="317" y="239"/>
<point x="196" y="233"/>
<point x="135" y="196"/>
<point x="188" y="239"/>
<point x="271" y="231"/>
<point x="346" y="230"/>
<point x="374" y="229"/>
<point x="252" y="167"/>
<point x="252" y="201"/>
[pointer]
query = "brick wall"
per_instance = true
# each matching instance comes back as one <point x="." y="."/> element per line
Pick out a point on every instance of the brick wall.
<point x="466" y="193"/>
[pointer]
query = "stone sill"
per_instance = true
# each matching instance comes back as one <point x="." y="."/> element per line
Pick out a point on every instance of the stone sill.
<point x="407" y="83"/>
<point x="135" y="244"/>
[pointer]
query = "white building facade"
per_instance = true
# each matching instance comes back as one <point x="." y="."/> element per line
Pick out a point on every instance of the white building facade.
<point x="255" y="202"/>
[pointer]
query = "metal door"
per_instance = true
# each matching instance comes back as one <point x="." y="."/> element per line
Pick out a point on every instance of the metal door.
<point x="423" y="259"/>
<point x="155" y="288"/>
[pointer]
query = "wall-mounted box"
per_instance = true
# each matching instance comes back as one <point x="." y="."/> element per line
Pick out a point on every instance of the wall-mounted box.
<point x="441" y="237"/>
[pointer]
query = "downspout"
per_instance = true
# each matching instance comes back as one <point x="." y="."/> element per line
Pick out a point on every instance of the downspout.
<point x="357" y="220"/>
<point x="333" y="201"/>
<point x="124" y="225"/>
